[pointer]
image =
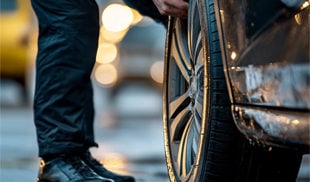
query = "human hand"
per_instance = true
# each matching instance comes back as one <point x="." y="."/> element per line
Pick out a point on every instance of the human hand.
<point x="176" y="8"/>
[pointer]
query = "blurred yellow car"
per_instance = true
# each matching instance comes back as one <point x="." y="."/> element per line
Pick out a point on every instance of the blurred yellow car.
<point x="18" y="37"/>
<point x="17" y="28"/>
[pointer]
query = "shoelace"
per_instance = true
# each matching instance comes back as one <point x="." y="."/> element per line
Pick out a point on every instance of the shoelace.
<point x="79" y="167"/>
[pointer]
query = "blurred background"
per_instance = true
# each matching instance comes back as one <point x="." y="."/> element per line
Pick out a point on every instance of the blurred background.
<point x="127" y="80"/>
<point x="130" y="48"/>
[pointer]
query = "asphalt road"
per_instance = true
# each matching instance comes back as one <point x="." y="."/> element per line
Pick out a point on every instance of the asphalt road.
<point x="129" y="142"/>
<point x="132" y="146"/>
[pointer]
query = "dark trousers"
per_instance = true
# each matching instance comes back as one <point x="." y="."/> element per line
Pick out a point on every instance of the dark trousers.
<point x="63" y="104"/>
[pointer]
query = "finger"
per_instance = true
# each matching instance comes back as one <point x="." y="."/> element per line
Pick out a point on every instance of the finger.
<point x="165" y="8"/>
<point x="178" y="4"/>
<point x="173" y="12"/>
<point x="178" y="13"/>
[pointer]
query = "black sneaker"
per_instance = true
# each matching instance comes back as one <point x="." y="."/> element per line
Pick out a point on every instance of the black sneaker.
<point x="68" y="169"/>
<point x="103" y="172"/>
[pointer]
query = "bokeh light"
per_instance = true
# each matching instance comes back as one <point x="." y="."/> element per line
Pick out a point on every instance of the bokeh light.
<point x="117" y="17"/>
<point x="106" y="53"/>
<point x="113" y="37"/>
<point x="156" y="71"/>
<point x="106" y="74"/>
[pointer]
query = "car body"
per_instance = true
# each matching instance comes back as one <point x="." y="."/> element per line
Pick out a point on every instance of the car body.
<point x="268" y="70"/>
<point x="236" y="91"/>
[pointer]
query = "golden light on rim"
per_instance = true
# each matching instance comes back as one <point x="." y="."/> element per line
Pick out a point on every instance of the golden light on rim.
<point x="233" y="55"/>
<point x="295" y="122"/>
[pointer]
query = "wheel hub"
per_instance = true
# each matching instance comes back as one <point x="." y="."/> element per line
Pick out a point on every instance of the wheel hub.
<point x="193" y="88"/>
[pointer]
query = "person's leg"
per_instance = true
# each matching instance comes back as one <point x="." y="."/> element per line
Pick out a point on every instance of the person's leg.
<point x="63" y="105"/>
<point x="63" y="108"/>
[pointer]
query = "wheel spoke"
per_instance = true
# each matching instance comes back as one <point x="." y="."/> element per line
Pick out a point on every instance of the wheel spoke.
<point x="181" y="55"/>
<point x="182" y="152"/>
<point x="190" y="34"/>
<point x="192" y="30"/>
<point x="182" y="42"/>
<point x="198" y="52"/>
<point x="191" y="139"/>
<point x="178" y="105"/>
<point x="198" y="113"/>
<point x="177" y="126"/>
<point x="199" y="61"/>
<point x="195" y="139"/>
<point x="187" y="148"/>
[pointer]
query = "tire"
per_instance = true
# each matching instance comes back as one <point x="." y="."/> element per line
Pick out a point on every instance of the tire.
<point x="202" y="142"/>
